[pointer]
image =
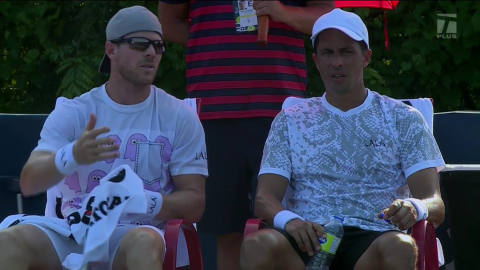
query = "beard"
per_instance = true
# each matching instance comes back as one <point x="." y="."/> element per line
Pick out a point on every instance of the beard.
<point x="135" y="77"/>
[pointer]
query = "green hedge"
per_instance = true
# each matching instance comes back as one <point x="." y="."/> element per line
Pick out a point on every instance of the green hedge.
<point x="53" y="48"/>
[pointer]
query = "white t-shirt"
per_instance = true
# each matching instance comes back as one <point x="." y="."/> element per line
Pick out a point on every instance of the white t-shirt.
<point x="160" y="138"/>
<point x="354" y="163"/>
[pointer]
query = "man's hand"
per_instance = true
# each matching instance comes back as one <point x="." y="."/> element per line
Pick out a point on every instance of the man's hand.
<point x="273" y="8"/>
<point x="401" y="213"/>
<point x="306" y="234"/>
<point x="88" y="149"/>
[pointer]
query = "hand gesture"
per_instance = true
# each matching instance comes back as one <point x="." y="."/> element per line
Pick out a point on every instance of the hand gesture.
<point x="273" y="8"/>
<point x="401" y="213"/>
<point x="306" y="234"/>
<point x="88" y="149"/>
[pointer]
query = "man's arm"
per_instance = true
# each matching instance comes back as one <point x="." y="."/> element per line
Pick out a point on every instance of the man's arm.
<point x="40" y="172"/>
<point x="188" y="201"/>
<point x="421" y="160"/>
<point x="275" y="171"/>
<point x="300" y="18"/>
<point x="173" y="16"/>
<point x="424" y="185"/>
<point x="271" y="189"/>
<point x="188" y="167"/>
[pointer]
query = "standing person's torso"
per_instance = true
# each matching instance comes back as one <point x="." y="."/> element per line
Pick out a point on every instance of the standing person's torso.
<point x="233" y="75"/>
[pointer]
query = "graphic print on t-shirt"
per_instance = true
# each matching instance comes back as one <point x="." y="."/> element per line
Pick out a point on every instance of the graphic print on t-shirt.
<point x="73" y="182"/>
<point x="118" y="141"/>
<point x="143" y="152"/>
<point x="93" y="179"/>
<point x="73" y="203"/>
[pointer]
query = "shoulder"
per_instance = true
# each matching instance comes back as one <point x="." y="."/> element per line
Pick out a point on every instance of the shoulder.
<point x="302" y="107"/>
<point x="77" y="106"/>
<point x="401" y="112"/>
<point x="180" y="109"/>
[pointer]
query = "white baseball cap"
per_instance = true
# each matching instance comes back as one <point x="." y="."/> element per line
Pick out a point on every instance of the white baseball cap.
<point x="347" y="22"/>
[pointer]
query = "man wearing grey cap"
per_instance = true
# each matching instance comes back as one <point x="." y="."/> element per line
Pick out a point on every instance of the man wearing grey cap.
<point x="126" y="121"/>
<point x="351" y="153"/>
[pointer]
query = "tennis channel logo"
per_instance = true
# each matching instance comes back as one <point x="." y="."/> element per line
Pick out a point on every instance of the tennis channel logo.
<point x="447" y="26"/>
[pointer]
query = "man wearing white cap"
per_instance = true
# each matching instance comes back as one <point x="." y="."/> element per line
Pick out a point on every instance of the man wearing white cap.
<point x="124" y="122"/>
<point x="352" y="153"/>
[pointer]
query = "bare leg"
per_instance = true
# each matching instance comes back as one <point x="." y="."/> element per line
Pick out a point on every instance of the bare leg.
<point x="140" y="249"/>
<point x="269" y="250"/>
<point x="25" y="247"/>
<point x="390" y="251"/>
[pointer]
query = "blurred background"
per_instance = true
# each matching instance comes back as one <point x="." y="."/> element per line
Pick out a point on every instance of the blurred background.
<point x="53" y="48"/>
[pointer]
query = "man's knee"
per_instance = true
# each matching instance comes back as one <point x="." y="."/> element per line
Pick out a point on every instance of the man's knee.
<point x="143" y="240"/>
<point x="396" y="248"/>
<point x="22" y="245"/>
<point x="267" y="248"/>
<point x="12" y="244"/>
<point x="259" y="244"/>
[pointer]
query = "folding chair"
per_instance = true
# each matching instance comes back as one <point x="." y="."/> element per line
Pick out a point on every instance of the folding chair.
<point x="423" y="232"/>
<point x="172" y="231"/>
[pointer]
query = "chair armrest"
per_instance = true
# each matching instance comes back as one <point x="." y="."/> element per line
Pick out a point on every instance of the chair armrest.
<point x="252" y="226"/>
<point x="424" y="234"/>
<point x="193" y="244"/>
<point x="10" y="183"/>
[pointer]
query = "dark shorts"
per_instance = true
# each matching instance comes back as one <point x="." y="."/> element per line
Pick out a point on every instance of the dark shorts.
<point x="354" y="243"/>
<point x="234" y="151"/>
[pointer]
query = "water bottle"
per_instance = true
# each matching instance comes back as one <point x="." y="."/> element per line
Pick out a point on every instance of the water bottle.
<point x="334" y="231"/>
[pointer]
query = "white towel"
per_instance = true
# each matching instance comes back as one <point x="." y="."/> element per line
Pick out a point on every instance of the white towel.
<point x="192" y="102"/>
<point x="425" y="106"/>
<point x="120" y="191"/>
<point x="290" y="101"/>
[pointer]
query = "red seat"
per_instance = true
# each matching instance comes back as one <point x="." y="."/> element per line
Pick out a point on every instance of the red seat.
<point x="193" y="244"/>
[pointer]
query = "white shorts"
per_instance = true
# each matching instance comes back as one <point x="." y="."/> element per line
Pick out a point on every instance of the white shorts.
<point x="64" y="246"/>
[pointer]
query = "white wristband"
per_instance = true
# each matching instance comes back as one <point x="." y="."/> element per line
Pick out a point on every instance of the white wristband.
<point x="65" y="161"/>
<point x="421" y="206"/>
<point x="154" y="202"/>
<point x="283" y="217"/>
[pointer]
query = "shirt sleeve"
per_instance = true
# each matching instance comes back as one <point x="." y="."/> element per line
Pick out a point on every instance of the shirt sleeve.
<point x="59" y="128"/>
<point x="418" y="147"/>
<point x="189" y="153"/>
<point x="277" y="151"/>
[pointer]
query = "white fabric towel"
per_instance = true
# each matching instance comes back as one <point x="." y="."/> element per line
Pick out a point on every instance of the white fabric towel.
<point x="120" y="191"/>
<point x="192" y="102"/>
<point x="425" y="106"/>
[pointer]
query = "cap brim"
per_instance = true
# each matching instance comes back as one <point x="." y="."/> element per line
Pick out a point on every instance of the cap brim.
<point x="346" y="31"/>
<point x="104" y="65"/>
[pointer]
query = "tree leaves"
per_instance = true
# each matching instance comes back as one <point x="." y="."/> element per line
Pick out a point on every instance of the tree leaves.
<point x="53" y="48"/>
<point x="31" y="55"/>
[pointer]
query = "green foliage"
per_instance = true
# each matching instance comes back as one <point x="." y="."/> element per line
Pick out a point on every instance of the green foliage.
<point x="53" y="48"/>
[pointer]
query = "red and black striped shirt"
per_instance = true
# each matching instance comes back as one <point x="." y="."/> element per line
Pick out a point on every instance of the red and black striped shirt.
<point x="231" y="73"/>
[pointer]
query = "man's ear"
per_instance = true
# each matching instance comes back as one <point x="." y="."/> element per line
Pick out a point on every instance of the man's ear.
<point x="314" y="57"/>
<point x="110" y="49"/>
<point x="367" y="56"/>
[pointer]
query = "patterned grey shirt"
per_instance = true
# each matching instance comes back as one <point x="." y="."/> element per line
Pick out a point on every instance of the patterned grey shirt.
<point x="353" y="163"/>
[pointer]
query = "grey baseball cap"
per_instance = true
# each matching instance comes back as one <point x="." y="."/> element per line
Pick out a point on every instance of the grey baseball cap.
<point x="126" y="21"/>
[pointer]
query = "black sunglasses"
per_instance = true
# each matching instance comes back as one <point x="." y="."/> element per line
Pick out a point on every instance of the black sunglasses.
<point x="142" y="44"/>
